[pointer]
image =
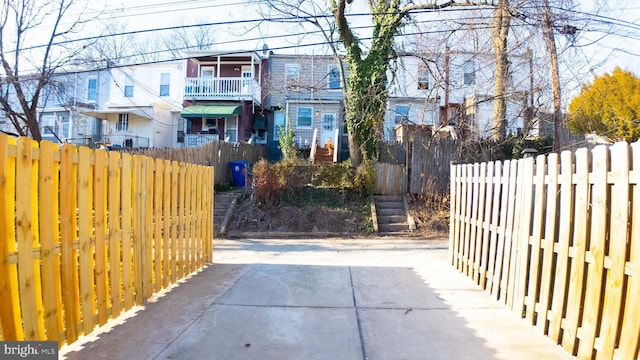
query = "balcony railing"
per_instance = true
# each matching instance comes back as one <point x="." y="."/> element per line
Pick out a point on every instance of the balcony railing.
<point x="228" y="88"/>
<point x="191" y="140"/>
<point x="112" y="141"/>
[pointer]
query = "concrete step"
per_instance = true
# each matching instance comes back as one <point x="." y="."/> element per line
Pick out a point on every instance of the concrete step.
<point x="392" y="219"/>
<point x="391" y="215"/>
<point x="382" y="198"/>
<point x="390" y="205"/>
<point x="389" y="212"/>
<point x="396" y="227"/>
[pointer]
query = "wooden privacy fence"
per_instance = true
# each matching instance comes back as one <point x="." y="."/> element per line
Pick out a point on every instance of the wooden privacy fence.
<point x="390" y="179"/>
<point x="85" y="235"/>
<point x="429" y="161"/>
<point x="557" y="239"/>
<point x="214" y="153"/>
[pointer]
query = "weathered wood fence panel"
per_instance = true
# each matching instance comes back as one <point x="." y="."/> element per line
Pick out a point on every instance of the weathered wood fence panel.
<point x="390" y="179"/>
<point x="87" y="234"/>
<point x="214" y="153"/>
<point x="557" y="239"/>
<point x="430" y="160"/>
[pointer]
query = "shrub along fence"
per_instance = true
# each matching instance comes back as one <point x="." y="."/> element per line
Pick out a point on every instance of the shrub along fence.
<point x="85" y="235"/>
<point x="214" y="153"/>
<point x="557" y="239"/>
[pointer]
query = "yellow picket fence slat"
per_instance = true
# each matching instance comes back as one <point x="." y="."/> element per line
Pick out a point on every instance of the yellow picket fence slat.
<point x="557" y="239"/>
<point x="85" y="235"/>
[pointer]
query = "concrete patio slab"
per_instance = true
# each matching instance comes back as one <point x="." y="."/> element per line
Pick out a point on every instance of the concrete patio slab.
<point x="320" y="299"/>
<point x="259" y="332"/>
<point x="291" y="285"/>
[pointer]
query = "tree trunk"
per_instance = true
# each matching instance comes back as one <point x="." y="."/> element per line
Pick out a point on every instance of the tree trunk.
<point x="555" y="76"/>
<point x="499" y="33"/>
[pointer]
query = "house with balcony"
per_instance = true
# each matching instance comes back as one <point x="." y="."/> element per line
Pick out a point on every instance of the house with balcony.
<point x="140" y="106"/>
<point x="223" y="97"/>
<point x="62" y="102"/>
<point x="305" y="94"/>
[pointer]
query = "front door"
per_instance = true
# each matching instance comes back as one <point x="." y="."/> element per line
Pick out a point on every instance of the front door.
<point x="328" y="129"/>
<point x="247" y="80"/>
<point x="207" y="73"/>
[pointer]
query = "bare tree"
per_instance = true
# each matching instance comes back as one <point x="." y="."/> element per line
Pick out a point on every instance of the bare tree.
<point x="28" y="67"/>
<point x="196" y="37"/>
<point x="366" y="94"/>
<point x="499" y="35"/>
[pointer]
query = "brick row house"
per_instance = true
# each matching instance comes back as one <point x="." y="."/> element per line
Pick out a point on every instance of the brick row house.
<point x="223" y="98"/>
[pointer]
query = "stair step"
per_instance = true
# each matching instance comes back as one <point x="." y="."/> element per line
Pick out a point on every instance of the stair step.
<point x="390" y="212"/>
<point x="390" y="205"/>
<point x="388" y="198"/>
<point x="392" y="219"/>
<point x="396" y="227"/>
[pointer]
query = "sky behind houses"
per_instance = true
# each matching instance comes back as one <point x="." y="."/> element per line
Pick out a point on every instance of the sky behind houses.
<point x="238" y="25"/>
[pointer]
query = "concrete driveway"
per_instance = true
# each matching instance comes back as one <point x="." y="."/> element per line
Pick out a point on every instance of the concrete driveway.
<point x="380" y="298"/>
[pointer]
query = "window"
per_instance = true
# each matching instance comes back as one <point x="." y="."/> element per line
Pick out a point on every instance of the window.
<point x="305" y="116"/>
<point x="279" y="124"/>
<point x="92" y="89"/>
<point x="401" y="114"/>
<point x="292" y="75"/>
<point x="128" y="86"/>
<point x="333" y="78"/>
<point x="123" y="123"/>
<point x="48" y="124"/>
<point x="164" y="84"/>
<point x="328" y="122"/>
<point x="423" y="78"/>
<point x="469" y="73"/>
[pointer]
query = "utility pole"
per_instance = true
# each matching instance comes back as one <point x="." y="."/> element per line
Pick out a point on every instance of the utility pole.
<point x="555" y="74"/>
<point x="446" y="86"/>
<point x="528" y="118"/>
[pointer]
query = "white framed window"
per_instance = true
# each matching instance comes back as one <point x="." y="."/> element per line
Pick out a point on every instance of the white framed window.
<point x="92" y="89"/>
<point x="128" y="86"/>
<point x="401" y="114"/>
<point x="328" y="121"/>
<point x="165" y="80"/>
<point x="279" y="124"/>
<point x="305" y="116"/>
<point x="48" y="124"/>
<point x="292" y="75"/>
<point x="469" y="73"/>
<point x="423" y="77"/>
<point x="333" y="77"/>
<point x="123" y="123"/>
<point x="207" y="71"/>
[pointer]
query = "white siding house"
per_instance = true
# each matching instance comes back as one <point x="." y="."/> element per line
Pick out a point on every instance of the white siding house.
<point x="143" y="106"/>
<point x="439" y="89"/>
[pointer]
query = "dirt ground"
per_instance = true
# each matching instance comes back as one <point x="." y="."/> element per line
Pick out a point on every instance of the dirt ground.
<point x="353" y="219"/>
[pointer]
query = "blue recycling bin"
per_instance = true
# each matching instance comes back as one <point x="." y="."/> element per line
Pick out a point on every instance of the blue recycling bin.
<point x="237" y="172"/>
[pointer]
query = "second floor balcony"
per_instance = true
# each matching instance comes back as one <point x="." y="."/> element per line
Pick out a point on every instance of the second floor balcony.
<point x="222" y="88"/>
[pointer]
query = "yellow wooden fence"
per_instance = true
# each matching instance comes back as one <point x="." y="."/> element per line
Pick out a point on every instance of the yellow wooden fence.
<point x="85" y="235"/>
<point x="557" y="239"/>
